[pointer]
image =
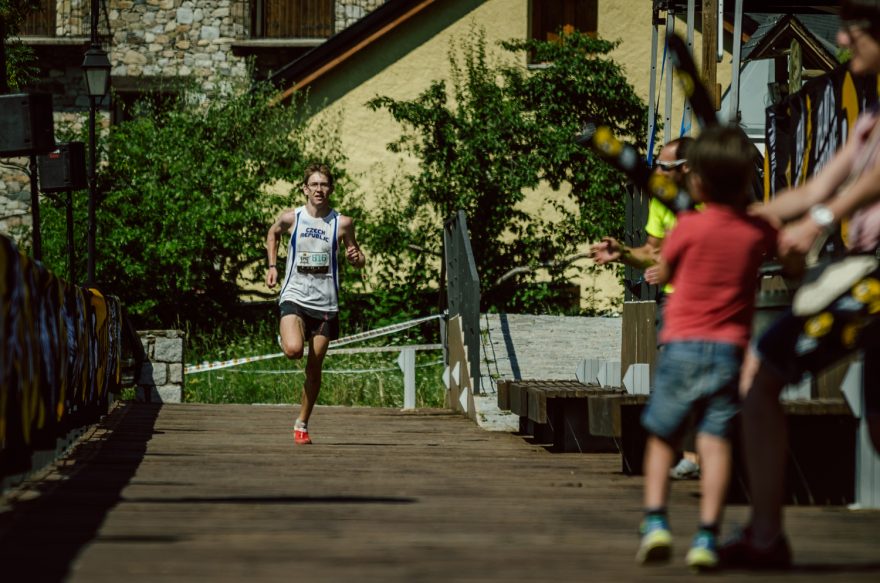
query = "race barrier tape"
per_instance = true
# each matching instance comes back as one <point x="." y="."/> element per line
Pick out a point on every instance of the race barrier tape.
<point x="335" y="370"/>
<point x="384" y="331"/>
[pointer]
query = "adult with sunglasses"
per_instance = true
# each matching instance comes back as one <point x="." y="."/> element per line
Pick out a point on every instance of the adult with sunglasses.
<point x="671" y="161"/>
<point x="830" y="318"/>
<point x="309" y="295"/>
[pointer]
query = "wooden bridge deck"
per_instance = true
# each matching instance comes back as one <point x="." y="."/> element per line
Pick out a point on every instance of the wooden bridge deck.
<point x="198" y="492"/>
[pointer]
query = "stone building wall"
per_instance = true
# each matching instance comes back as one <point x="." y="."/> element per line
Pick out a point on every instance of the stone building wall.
<point x="170" y="38"/>
<point x="350" y="11"/>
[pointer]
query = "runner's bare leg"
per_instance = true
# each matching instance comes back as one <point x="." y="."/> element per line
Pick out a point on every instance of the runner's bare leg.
<point x="318" y="346"/>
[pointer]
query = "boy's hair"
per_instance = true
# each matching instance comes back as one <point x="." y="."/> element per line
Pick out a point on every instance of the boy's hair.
<point x="868" y="10"/>
<point x="724" y="158"/>
<point x="317" y="167"/>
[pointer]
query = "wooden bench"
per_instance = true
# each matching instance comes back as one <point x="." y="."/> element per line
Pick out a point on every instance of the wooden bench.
<point x="821" y="461"/>
<point x="555" y="412"/>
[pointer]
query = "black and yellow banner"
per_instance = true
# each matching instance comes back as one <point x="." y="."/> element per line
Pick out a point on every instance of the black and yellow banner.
<point x="59" y="356"/>
<point x="805" y="129"/>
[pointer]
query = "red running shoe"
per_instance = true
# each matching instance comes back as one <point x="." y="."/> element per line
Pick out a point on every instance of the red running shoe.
<point x="301" y="436"/>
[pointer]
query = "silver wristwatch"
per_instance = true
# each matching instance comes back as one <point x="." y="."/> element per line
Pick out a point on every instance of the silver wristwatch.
<point x="822" y="216"/>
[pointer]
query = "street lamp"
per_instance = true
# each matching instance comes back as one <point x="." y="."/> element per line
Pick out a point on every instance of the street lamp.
<point x="96" y="70"/>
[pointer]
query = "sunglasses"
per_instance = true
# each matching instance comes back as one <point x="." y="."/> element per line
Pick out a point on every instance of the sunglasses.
<point x="672" y="165"/>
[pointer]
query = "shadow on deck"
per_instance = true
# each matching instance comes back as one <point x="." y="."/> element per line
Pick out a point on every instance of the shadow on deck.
<point x="186" y="492"/>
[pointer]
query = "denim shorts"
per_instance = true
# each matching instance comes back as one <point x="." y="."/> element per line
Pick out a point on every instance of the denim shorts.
<point x="694" y="379"/>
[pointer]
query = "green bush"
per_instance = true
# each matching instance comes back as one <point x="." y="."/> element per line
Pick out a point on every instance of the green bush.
<point x="184" y="209"/>
<point x="369" y="379"/>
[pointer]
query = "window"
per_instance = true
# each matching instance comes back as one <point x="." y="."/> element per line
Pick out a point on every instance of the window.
<point x="40" y="22"/>
<point x="292" y="18"/>
<point x="548" y="17"/>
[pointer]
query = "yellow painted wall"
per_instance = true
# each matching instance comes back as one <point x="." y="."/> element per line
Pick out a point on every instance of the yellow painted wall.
<point x="403" y="64"/>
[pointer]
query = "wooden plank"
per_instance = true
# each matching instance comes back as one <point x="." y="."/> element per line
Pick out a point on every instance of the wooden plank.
<point x="537" y="400"/>
<point x="217" y="491"/>
<point x="503" y="388"/>
<point x="458" y="358"/>
<point x="575" y="431"/>
<point x="817" y="407"/>
<point x="518" y="400"/>
<point x="604" y="412"/>
<point x="828" y="382"/>
<point x="639" y="337"/>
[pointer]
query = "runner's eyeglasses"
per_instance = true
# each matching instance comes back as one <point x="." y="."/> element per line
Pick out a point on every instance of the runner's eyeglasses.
<point x="317" y="185"/>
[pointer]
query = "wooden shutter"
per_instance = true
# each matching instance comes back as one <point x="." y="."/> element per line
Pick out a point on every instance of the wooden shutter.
<point x="40" y="22"/>
<point x="298" y="18"/>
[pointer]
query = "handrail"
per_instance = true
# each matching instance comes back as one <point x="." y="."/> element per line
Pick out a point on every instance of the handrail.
<point x="463" y="287"/>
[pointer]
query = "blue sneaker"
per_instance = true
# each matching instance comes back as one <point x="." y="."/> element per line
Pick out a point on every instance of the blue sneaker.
<point x="656" y="544"/>
<point x="703" y="554"/>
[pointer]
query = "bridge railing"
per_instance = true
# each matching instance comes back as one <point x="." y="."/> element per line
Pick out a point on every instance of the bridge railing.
<point x="61" y="350"/>
<point x="463" y="288"/>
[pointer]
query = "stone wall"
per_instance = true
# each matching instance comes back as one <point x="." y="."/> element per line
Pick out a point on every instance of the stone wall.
<point x="15" y="184"/>
<point x="350" y="11"/>
<point x="161" y="376"/>
<point x="170" y="38"/>
<point x="15" y="201"/>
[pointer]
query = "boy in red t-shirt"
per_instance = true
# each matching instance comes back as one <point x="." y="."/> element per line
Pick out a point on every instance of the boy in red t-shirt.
<point x="711" y="258"/>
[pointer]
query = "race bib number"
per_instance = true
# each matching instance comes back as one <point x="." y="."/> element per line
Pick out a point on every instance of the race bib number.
<point x="308" y="262"/>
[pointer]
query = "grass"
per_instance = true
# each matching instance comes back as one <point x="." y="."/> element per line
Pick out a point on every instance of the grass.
<point x="369" y="379"/>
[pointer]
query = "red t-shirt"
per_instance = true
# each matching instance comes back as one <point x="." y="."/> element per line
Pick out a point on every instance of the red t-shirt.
<point x="714" y="255"/>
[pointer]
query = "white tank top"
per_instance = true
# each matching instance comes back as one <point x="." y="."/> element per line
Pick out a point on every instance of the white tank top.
<point x="312" y="275"/>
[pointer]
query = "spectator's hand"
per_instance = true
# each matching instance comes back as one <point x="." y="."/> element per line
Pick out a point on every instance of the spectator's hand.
<point x="798" y="237"/>
<point x="652" y="275"/>
<point x="759" y="209"/>
<point x="605" y="251"/>
<point x="272" y="276"/>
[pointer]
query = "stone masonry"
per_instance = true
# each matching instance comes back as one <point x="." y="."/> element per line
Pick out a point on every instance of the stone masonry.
<point x="161" y="376"/>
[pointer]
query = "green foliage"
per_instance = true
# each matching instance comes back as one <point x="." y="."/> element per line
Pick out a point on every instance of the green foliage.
<point x="183" y="211"/>
<point x="372" y="379"/>
<point x="498" y="132"/>
<point x="20" y="60"/>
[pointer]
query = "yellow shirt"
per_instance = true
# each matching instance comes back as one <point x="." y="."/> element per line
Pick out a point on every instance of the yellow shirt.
<point x="661" y="220"/>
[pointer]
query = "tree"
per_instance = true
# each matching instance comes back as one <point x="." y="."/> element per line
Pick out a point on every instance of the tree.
<point x="497" y="133"/>
<point x="185" y="209"/>
<point x="15" y="56"/>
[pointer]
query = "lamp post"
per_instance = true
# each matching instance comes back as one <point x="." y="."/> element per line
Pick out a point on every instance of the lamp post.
<point x="96" y="70"/>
